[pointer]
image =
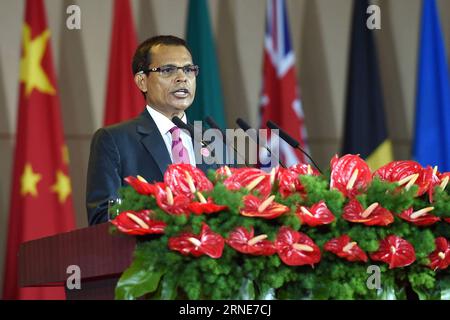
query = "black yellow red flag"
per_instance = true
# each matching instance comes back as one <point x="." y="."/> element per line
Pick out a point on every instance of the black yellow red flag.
<point x="365" y="130"/>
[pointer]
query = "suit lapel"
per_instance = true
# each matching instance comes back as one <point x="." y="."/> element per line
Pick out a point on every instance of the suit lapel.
<point x="153" y="141"/>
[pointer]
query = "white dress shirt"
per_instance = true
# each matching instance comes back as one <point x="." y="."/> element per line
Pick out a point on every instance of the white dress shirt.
<point x="164" y="124"/>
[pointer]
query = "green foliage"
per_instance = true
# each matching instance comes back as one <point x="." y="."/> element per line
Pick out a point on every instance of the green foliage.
<point x="131" y="200"/>
<point x="140" y="278"/>
<point x="390" y="196"/>
<point x="318" y="189"/>
<point x="158" y="273"/>
<point x="441" y="203"/>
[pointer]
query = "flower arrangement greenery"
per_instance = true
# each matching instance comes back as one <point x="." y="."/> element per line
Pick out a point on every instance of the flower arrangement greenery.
<point x="289" y="234"/>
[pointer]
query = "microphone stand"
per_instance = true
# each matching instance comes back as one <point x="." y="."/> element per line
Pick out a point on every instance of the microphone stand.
<point x="244" y="126"/>
<point x="291" y="141"/>
<point x="214" y="125"/>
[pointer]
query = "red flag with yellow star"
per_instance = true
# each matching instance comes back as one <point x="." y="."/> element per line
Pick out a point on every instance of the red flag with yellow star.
<point x="41" y="201"/>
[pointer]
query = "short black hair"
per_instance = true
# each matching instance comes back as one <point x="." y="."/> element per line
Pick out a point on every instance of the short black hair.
<point x="142" y="56"/>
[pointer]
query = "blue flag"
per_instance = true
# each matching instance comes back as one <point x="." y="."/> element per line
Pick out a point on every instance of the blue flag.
<point x="432" y="129"/>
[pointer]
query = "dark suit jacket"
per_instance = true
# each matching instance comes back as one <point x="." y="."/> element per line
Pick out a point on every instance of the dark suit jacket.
<point x="131" y="148"/>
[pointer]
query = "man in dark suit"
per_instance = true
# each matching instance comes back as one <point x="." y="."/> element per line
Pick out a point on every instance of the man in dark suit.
<point x="163" y="70"/>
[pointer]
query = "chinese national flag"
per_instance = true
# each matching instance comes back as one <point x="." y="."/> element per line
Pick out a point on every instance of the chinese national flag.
<point x="41" y="201"/>
<point x="123" y="98"/>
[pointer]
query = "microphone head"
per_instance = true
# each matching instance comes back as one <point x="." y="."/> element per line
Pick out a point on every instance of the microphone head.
<point x="249" y="131"/>
<point x="177" y="121"/>
<point x="242" y="124"/>
<point x="210" y="121"/>
<point x="180" y="124"/>
<point x="272" y="125"/>
<point x="291" y="141"/>
<point x="283" y="135"/>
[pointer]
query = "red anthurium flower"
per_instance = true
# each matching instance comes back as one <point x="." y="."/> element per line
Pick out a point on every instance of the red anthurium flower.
<point x="224" y="172"/>
<point x="267" y="209"/>
<point x="186" y="179"/>
<point x="437" y="179"/>
<point x="395" y="251"/>
<point x="304" y="169"/>
<point x="207" y="242"/>
<point x="406" y="173"/>
<point x="395" y="171"/>
<point x="443" y="179"/>
<point x="288" y="182"/>
<point x="345" y="248"/>
<point x="419" y="217"/>
<point x="447" y="220"/>
<point x="296" y="248"/>
<point x="440" y="258"/>
<point x="318" y="214"/>
<point x="373" y="215"/>
<point x="140" y="185"/>
<point x="434" y="181"/>
<point x="288" y="179"/>
<point x="426" y="181"/>
<point x="138" y="223"/>
<point x="251" y="179"/>
<point x="243" y="241"/>
<point x="170" y="203"/>
<point x="205" y="206"/>
<point x="349" y="174"/>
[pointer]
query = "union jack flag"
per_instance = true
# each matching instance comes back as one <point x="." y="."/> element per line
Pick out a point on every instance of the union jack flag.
<point x="280" y="99"/>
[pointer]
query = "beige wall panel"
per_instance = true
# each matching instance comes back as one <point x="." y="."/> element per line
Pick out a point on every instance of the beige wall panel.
<point x="320" y="34"/>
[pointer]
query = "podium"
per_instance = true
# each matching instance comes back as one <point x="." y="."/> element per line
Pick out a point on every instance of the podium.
<point x="101" y="257"/>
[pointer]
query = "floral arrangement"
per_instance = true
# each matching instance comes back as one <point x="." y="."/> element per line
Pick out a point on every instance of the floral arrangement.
<point x="242" y="233"/>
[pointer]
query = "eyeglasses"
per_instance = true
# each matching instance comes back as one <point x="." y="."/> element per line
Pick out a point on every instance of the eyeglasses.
<point x="171" y="70"/>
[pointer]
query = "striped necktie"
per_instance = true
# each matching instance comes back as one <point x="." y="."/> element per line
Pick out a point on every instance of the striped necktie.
<point x="179" y="151"/>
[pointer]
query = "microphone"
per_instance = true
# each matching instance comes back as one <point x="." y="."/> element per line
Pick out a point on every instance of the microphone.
<point x="245" y="126"/>
<point x="214" y="125"/>
<point x="180" y="124"/>
<point x="187" y="126"/>
<point x="291" y="141"/>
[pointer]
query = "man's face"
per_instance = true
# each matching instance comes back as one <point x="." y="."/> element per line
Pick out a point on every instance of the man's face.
<point x="170" y="94"/>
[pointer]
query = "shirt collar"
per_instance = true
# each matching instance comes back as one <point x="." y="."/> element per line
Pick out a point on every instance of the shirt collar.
<point x="163" y="123"/>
